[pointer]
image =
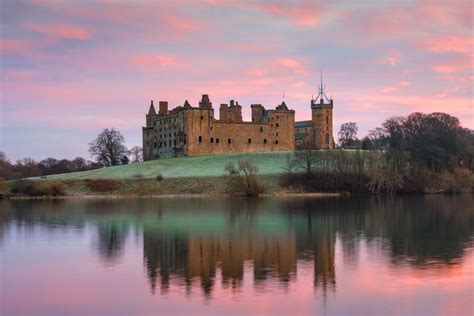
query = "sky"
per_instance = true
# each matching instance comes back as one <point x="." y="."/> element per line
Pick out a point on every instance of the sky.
<point x="72" y="68"/>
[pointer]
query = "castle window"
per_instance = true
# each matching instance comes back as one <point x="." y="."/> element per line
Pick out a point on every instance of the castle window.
<point x="327" y="119"/>
<point x="229" y="140"/>
<point x="211" y="128"/>
<point x="217" y="140"/>
<point x="155" y="145"/>
<point x="276" y="124"/>
<point x="277" y="134"/>
<point x="264" y="140"/>
<point x="212" y="139"/>
<point x="202" y="117"/>
<point x="276" y="142"/>
<point x="170" y="143"/>
<point x="200" y="139"/>
<point x="277" y="117"/>
<point x="327" y="139"/>
<point x="184" y="140"/>
<point x="261" y="129"/>
<point x="250" y="140"/>
<point x="161" y="144"/>
<point x="174" y="142"/>
<point x="271" y="125"/>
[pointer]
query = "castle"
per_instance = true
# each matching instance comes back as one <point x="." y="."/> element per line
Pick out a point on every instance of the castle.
<point x="192" y="131"/>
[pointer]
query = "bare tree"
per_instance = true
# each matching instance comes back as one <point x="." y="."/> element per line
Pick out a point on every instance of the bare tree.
<point x="306" y="159"/>
<point x="108" y="148"/>
<point x="136" y="153"/>
<point x="348" y="134"/>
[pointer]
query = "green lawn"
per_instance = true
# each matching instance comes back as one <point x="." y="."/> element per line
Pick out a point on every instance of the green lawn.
<point x="213" y="165"/>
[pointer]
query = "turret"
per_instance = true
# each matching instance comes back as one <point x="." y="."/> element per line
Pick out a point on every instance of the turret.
<point x="205" y="102"/>
<point x="258" y="112"/>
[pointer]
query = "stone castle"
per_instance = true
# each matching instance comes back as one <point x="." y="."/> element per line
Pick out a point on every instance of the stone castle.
<point x="192" y="131"/>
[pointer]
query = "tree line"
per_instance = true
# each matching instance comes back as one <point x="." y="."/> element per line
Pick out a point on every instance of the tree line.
<point x="414" y="153"/>
<point x="107" y="149"/>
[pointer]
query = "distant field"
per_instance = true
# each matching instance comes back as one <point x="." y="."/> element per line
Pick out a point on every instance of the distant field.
<point x="213" y="165"/>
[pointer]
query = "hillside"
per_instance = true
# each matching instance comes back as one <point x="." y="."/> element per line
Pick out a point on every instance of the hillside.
<point x="213" y="165"/>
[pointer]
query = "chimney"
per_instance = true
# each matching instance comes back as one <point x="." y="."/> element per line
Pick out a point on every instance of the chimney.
<point x="163" y="108"/>
<point x="232" y="103"/>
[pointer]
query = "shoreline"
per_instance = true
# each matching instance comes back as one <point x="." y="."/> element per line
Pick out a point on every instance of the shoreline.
<point x="173" y="196"/>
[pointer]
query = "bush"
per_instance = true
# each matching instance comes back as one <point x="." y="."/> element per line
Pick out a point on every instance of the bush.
<point x="38" y="188"/>
<point x="242" y="178"/>
<point x="102" y="185"/>
<point x="159" y="178"/>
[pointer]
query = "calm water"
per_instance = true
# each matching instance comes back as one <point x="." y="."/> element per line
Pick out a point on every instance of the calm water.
<point x="298" y="256"/>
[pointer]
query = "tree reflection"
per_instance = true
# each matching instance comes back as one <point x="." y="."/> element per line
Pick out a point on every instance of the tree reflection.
<point x="111" y="236"/>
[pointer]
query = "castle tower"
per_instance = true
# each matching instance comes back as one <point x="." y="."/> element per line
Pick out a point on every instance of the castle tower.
<point x="321" y="110"/>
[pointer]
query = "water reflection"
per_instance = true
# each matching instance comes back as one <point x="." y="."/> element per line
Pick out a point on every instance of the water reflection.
<point x="202" y="241"/>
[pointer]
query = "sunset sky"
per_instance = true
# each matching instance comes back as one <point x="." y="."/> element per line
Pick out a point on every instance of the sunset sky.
<point x="71" y="68"/>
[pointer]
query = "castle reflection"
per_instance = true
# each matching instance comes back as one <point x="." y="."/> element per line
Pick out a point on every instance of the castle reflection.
<point x="226" y="242"/>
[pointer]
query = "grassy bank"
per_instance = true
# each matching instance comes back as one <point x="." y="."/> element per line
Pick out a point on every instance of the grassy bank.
<point x="182" y="167"/>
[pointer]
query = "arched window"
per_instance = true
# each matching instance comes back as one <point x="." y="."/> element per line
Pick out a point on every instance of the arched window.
<point x="327" y="139"/>
<point x="200" y="139"/>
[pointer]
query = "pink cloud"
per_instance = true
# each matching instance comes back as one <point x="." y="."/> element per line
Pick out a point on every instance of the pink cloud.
<point x="60" y="30"/>
<point x="301" y="15"/>
<point x="453" y="43"/>
<point x="292" y="64"/>
<point x="153" y="61"/>
<point x="13" y="46"/>
<point x="391" y="60"/>
<point x="256" y="72"/>
<point x="445" y="68"/>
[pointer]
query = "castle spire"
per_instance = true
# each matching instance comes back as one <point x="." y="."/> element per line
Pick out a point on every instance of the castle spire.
<point x="151" y="111"/>
<point x="321" y="94"/>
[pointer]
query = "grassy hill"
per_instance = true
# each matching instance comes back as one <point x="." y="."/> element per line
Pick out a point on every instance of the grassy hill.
<point x="268" y="163"/>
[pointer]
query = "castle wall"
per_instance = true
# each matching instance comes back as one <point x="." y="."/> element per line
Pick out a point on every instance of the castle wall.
<point x="187" y="131"/>
<point x="209" y="136"/>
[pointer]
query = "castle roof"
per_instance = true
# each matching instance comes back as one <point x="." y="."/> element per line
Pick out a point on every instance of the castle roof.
<point x="186" y="104"/>
<point x="282" y="106"/>
<point x="303" y="124"/>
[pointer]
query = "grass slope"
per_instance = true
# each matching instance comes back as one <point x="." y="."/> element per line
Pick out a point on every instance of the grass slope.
<point x="213" y="165"/>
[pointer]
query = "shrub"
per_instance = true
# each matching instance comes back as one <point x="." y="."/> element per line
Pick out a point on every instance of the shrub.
<point x="461" y="180"/>
<point x="38" y="188"/>
<point x="242" y="178"/>
<point x="102" y="185"/>
<point x="159" y="178"/>
<point x="326" y="182"/>
<point x="4" y="189"/>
